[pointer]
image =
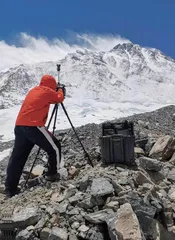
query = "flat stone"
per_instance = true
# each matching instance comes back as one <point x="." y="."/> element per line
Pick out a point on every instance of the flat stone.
<point x="58" y="234"/>
<point x="76" y="198"/>
<point x="41" y="223"/>
<point x="138" y="150"/>
<point x="69" y="192"/>
<point x="74" y="211"/>
<point x="83" y="228"/>
<point x="149" y="164"/>
<point x="114" y="205"/>
<point x="62" y="207"/>
<point x="24" y="234"/>
<point x="72" y="236"/>
<point x="101" y="187"/>
<point x="44" y="235"/>
<point x="99" y="217"/>
<point x="140" y="178"/>
<point x="25" y="217"/>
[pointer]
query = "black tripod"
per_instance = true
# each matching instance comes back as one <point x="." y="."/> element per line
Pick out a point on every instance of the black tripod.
<point x="55" y="111"/>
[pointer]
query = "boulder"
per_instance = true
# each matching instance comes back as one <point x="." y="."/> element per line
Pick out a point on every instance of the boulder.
<point x="163" y="148"/>
<point x="149" y="164"/>
<point x="154" y="230"/>
<point x="101" y="187"/>
<point x="25" y="217"/>
<point x="126" y="224"/>
<point x="141" y="178"/>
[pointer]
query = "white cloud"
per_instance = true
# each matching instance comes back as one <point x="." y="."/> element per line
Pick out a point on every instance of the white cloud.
<point x="32" y="50"/>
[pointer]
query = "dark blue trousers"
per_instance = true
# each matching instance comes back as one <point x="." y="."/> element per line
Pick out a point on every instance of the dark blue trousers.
<point x="25" y="139"/>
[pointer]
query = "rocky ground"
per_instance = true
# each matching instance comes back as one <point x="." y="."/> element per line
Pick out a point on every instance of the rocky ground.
<point x="102" y="202"/>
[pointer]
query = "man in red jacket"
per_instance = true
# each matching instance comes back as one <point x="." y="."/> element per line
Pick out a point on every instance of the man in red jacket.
<point x="30" y="130"/>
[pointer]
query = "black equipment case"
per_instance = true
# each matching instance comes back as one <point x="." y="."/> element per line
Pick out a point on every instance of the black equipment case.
<point x="117" y="143"/>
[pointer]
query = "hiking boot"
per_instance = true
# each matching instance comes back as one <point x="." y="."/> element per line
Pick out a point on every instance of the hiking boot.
<point x="53" y="177"/>
<point x="8" y="193"/>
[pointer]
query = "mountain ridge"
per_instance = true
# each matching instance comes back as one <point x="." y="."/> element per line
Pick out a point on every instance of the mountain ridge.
<point x="128" y="72"/>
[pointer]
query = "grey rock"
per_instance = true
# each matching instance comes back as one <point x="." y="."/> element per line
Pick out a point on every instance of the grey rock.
<point x="44" y="234"/>
<point x="72" y="236"/>
<point x="149" y="164"/>
<point x="75" y="218"/>
<point x="153" y="229"/>
<point x="41" y="223"/>
<point x="62" y="207"/>
<point x="26" y="217"/>
<point x="139" y="206"/>
<point x="171" y="176"/>
<point x="50" y="210"/>
<point x="99" y="217"/>
<point x="86" y="203"/>
<point x="168" y="214"/>
<point x="24" y="235"/>
<point x="117" y="187"/>
<point x="141" y="178"/>
<point x="76" y="198"/>
<point x="74" y="211"/>
<point x="90" y="202"/>
<point x="101" y="187"/>
<point x="94" y="234"/>
<point x="58" y="234"/>
<point x="83" y="228"/>
<point x="123" y="177"/>
<point x="114" y="205"/>
<point x="83" y="183"/>
<point x="75" y="225"/>
<point x="149" y="144"/>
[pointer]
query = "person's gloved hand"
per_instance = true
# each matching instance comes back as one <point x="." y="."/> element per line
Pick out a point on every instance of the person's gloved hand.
<point x="62" y="86"/>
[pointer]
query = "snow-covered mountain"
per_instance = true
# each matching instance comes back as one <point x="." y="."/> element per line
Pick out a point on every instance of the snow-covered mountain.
<point x="127" y="79"/>
<point x="126" y="73"/>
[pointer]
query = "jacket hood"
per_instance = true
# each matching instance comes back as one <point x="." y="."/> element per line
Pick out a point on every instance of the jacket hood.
<point x="48" y="81"/>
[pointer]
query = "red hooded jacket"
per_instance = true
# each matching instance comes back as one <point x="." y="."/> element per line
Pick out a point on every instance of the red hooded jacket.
<point x="35" y="108"/>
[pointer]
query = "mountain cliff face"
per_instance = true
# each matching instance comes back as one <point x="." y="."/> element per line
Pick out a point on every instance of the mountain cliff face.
<point x="126" y="73"/>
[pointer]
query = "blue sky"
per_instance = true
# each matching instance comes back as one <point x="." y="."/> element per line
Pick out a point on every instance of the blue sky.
<point x="148" y="23"/>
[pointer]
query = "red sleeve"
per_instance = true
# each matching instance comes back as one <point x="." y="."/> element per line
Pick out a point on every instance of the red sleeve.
<point x="56" y="97"/>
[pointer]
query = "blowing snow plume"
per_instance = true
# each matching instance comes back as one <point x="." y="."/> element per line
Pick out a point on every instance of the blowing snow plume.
<point x="32" y="50"/>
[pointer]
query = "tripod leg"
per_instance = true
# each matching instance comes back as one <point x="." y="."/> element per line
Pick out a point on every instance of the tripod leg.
<point x="86" y="154"/>
<point x="31" y="168"/>
<point x="56" y="112"/>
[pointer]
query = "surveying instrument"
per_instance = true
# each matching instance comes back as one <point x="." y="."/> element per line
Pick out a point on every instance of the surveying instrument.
<point x="54" y="115"/>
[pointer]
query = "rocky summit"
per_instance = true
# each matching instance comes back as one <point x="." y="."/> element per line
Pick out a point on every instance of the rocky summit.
<point x="104" y="202"/>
